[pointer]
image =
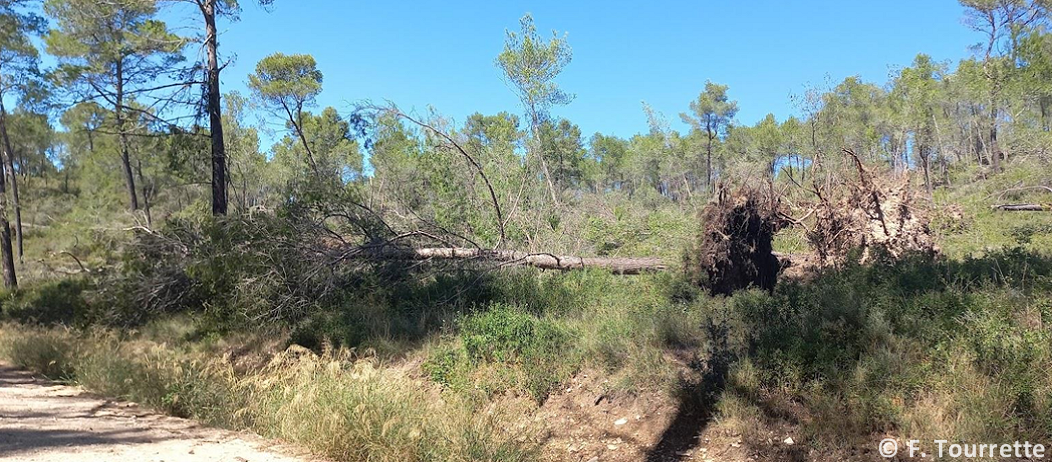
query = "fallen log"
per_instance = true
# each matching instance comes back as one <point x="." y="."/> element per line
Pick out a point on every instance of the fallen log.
<point x="1023" y="208"/>
<point x="616" y="265"/>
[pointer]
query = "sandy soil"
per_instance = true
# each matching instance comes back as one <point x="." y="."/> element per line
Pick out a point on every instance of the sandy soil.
<point x="43" y="421"/>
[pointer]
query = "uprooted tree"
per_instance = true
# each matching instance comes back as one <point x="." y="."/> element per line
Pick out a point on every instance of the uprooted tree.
<point x="735" y="249"/>
<point x="875" y="214"/>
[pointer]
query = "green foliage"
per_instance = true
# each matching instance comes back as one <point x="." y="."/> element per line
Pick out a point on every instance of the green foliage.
<point x="505" y="334"/>
<point x="1024" y="233"/>
<point x="224" y="269"/>
<point x="19" y="58"/>
<point x="979" y="230"/>
<point x="563" y="148"/>
<point x="872" y="347"/>
<point x="286" y="82"/>
<point x="92" y="36"/>
<point x="50" y="302"/>
<point x="713" y="112"/>
<point x="951" y="347"/>
<point x="517" y="344"/>
<point x="531" y="64"/>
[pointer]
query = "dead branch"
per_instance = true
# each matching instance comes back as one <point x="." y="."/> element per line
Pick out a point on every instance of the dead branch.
<point x="471" y="160"/>
<point x="874" y="195"/>
<point x="1023" y="188"/>
<point x="79" y="263"/>
<point x="798" y="221"/>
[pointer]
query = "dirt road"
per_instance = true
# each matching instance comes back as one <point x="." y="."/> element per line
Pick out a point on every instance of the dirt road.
<point x="42" y="421"/>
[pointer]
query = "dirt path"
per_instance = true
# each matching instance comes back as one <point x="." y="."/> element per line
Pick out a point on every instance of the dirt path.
<point x="43" y="421"/>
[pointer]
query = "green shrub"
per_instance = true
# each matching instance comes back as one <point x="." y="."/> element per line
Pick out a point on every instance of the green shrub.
<point x="505" y="333"/>
<point x="518" y="350"/>
<point x="49" y="303"/>
<point x="912" y="347"/>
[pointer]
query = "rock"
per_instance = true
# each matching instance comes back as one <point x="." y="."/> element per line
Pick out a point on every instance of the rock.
<point x="611" y="447"/>
<point x="789" y="441"/>
<point x="620" y="421"/>
<point x="594" y="459"/>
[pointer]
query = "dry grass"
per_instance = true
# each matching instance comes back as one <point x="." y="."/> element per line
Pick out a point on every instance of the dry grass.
<point x="333" y="404"/>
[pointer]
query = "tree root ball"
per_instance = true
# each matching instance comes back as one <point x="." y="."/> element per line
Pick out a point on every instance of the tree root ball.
<point x="734" y="250"/>
<point x="878" y="215"/>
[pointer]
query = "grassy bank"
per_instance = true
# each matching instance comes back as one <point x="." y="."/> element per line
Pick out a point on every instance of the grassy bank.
<point x="918" y="349"/>
<point x="331" y="403"/>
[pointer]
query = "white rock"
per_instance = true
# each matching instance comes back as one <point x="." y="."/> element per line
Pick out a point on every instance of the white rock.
<point x="621" y="421"/>
<point x="789" y="441"/>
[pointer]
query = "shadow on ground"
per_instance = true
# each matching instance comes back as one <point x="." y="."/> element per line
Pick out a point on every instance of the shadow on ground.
<point x="698" y="394"/>
<point x="15" y="441"/>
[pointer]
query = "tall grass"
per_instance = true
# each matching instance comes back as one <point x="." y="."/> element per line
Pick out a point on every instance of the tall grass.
<point x="954" y="348"/>
<point x="348" y="409"/>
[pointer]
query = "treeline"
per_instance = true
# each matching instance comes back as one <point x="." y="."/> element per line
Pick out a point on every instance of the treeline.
<point x="130" y="119"/>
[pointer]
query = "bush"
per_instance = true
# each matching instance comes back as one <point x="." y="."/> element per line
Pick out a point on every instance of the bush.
<point x="48" y="352"/>
<point x="915" y="347"/>
<point x="504" y="333"/>
<point x="521" y="351"/>
<point x="49" y="303"/>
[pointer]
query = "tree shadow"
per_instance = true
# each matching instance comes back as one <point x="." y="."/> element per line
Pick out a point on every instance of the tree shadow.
<point x="15" y="441"/>
<point x="20" y="425"/>
<point x="697" y="395"/>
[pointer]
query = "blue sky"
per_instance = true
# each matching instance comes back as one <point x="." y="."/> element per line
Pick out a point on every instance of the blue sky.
<point x="441" y="53"/>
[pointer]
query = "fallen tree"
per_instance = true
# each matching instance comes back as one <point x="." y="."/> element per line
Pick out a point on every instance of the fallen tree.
<point x="1020" y="206"/>
<point x="876" y="214"/>
<point x="504" y="258"/>
<point x="1023" y="208"/>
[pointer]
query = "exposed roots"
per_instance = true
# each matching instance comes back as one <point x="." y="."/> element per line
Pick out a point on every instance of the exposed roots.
<point x="878" y="215"/>
<point x="734" y="251"/>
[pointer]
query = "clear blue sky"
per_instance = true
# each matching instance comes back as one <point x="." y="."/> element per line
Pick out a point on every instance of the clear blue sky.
<point x="441" y="53"/>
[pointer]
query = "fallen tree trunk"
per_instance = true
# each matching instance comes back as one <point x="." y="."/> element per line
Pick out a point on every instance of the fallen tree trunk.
<point x="1023" y="208"/>
<point x="513" y="258"/>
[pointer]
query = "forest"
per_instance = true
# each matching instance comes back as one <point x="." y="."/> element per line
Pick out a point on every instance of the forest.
<point x="377" y="283"/>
